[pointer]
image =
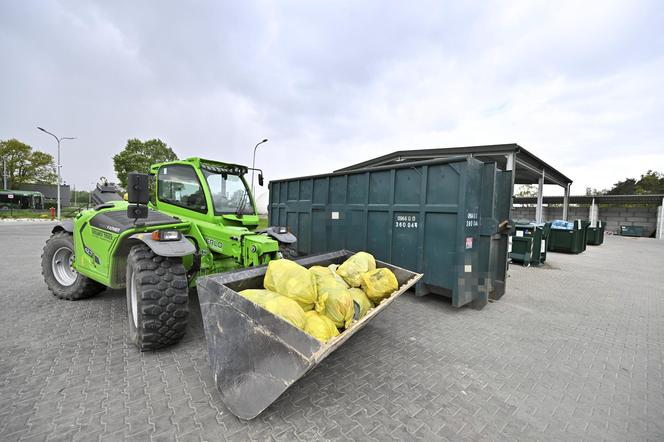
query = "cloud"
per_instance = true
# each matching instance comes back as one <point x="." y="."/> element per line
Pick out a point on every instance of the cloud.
<point x="334" y="83"/>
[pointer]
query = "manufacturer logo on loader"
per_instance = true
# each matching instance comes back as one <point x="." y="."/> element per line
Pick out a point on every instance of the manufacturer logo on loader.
<point x="213" y="243"/>
<point x="92" y="255"/>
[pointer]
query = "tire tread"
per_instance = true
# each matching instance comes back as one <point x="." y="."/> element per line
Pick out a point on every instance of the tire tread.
<point x="162" y="287"/>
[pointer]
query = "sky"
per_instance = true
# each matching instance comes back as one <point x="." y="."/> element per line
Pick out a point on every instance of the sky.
<point x="332" y="83"/>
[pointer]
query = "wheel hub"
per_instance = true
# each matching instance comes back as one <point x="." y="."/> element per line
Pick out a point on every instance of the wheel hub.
<point x="134" y="299"/>
<point x="62" y="265"/>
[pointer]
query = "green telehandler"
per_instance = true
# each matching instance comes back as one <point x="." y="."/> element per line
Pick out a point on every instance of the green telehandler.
<point x="186" y="225"/>
<point x="185" y="219"/>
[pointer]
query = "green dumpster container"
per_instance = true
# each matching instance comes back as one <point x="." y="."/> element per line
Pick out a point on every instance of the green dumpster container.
<point x="447" y="218"/>
<point x="632" y="230"/>
<point x="595" y="234"/>
<point x="568" y="237"/>
<point x="584" y="236"/>
<point x="529" y="243"/>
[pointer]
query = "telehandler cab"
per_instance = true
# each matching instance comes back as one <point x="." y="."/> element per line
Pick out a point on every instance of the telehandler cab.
<point x="185" y="219"/>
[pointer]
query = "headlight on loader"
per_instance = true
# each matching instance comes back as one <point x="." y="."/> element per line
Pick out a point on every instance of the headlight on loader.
<point x="166" y="235"/>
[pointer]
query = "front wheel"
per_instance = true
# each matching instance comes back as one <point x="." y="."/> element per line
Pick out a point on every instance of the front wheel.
<point x="157" y="299"/>
<point x="288" y="251"/>
<point x="57" y="262"/>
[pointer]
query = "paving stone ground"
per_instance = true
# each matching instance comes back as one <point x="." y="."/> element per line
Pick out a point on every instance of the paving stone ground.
<point x="574" y="350"/>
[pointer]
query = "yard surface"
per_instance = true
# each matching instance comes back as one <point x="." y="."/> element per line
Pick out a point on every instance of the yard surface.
<point x="575" y="349"/>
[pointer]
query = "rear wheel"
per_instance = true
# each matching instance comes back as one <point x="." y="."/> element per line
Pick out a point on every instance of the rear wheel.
<point x="157" y="299"/>
<point x="57" y="262"/>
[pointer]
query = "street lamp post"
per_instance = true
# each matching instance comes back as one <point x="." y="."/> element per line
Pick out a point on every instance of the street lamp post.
<point x="59" y="165"/>
<point x="4" y="174"/>
<point x="253" y="165"/>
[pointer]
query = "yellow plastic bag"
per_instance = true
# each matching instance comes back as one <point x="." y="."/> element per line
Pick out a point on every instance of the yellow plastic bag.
<point x="319" y="271"/>
<point x="379" y="284"/>
<point x="258" y="296"/>
<point x="319" y="326"/>
<point x="361" y="300"/>
<point x="353" y="268"/>
<point x="278" y="305"/>
<point x="286" y="309"/>
<point x="334" y="296"/>
<point x="333" y="268"/>
<point x="290" y="279"/>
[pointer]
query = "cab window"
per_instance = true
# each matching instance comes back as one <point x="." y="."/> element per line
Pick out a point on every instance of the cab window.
<point x="179" y="185"/>
<point x="229" y="194"/>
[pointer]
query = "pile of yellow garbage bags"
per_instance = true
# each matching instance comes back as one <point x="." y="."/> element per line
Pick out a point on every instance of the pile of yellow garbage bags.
<point x="321" y="301"/>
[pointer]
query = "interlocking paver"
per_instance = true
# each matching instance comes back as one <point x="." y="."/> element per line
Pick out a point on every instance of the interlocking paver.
<point x="574" y="350"/>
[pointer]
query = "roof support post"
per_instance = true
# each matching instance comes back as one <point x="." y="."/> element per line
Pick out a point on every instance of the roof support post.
<point x="510" y="162"/>
<point x="511" y="166"/>
<point x="566" y="202"/>
<point x="540" y="199"/>
<point x="660" y="221"/>
<point x="593" y="215"/>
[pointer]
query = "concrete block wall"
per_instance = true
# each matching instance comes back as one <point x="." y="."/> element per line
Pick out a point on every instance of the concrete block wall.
<point x="613" y="216"/>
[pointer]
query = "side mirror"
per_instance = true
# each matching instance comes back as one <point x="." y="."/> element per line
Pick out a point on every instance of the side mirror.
<point x="138" y="195"/>
<point x="137" y="211"/>
<point x="138" y="190"/>
<point x="260" y="179"/>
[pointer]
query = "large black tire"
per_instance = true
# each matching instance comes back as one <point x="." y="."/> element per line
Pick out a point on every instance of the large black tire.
<point x="157" y="299"/>
<point x="288" y="251"/>
<point x="60" y="278"/>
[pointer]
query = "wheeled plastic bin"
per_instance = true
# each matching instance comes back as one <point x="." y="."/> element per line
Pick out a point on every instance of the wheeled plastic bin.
<point x="529" y="243"/>
<point x="568" y="237"/>
<point x="446" y="218"/>
<point x="595" y="234"/>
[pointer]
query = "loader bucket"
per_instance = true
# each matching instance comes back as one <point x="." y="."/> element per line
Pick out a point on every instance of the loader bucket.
<point x="255" y="355"/>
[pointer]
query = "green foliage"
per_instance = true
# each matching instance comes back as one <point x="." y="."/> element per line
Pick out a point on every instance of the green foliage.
<point x="526" y="190"/>
<point x="623" y="187"/>
<point x="137" y="156"/>
<point x="79" y="197"/>
<point x="650" y="183"/>
<point x="591" y="191"/>
<point x="25" y="165"/>
<point x="23" y="213"/>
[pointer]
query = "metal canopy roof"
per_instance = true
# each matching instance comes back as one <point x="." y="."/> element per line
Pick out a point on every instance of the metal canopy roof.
<point x="599" y="199"/>
<point x="528" y="168"/>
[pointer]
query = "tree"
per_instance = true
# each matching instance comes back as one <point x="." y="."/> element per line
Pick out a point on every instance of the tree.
<point x="526" y="190"/>
<point x="591" y="191"/>
<point x="137" y="156"/>
<point x="651" y="182"/>
<point x="626" y="187"/>
<point x="25" y="165"/>
<point x="79" y="196"/>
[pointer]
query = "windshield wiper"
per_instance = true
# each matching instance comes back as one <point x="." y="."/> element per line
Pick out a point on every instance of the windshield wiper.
<point x="240" y="206"/>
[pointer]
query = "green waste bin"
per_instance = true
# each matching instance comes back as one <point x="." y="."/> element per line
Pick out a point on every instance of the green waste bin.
<point x="632" y="230"/>
<point x="595" y="234"/>
<point x="568" y="237"/>
<point x="529" y="243"/>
